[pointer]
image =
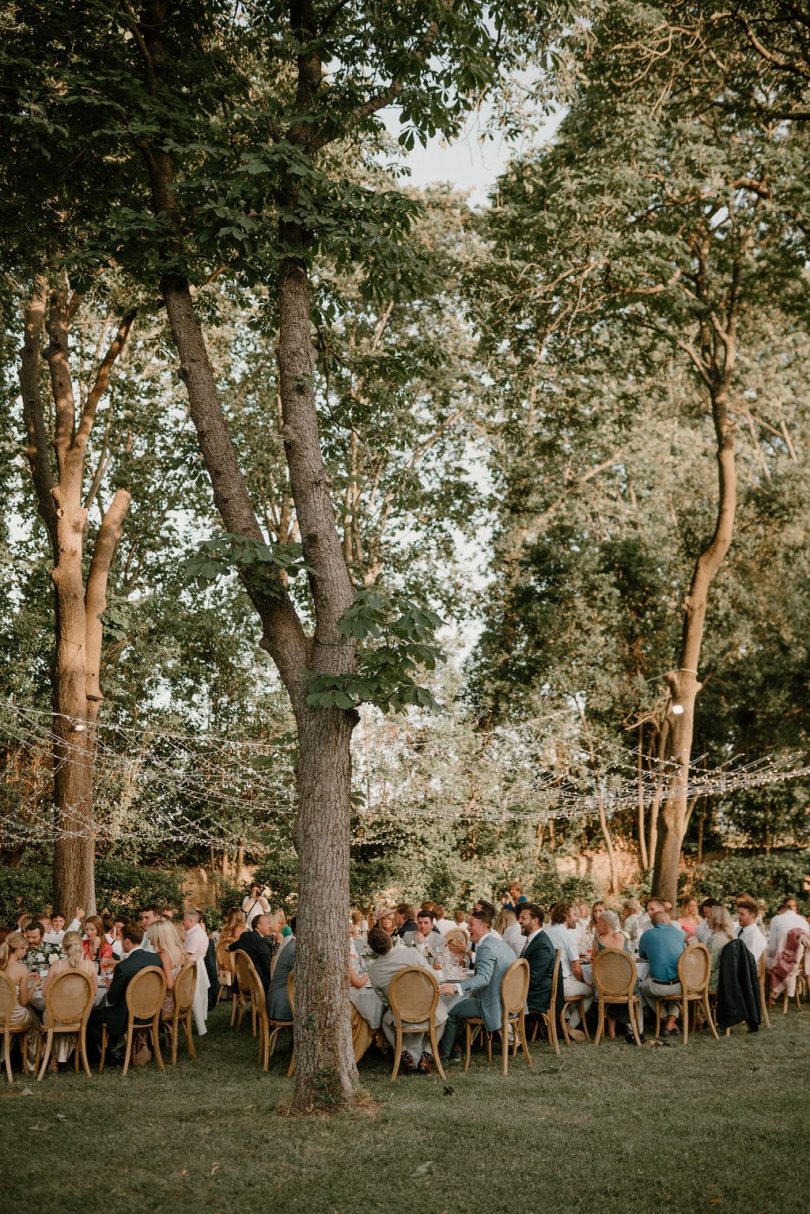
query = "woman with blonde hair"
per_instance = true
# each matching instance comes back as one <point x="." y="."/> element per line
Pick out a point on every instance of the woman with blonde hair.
<point x="164" y="940"/>
<point x="690" y="919"/>
<point x="74" y="959"/>
<point x="12" y="952"/>
<point x="721" y="932"/>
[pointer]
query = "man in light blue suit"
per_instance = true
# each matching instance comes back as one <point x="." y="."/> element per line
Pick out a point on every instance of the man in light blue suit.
<point x="481" y="994"/>
<point x="278" y="1005"/>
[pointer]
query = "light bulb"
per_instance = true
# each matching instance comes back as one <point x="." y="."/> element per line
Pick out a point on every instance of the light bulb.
<point x="677" y="710"/>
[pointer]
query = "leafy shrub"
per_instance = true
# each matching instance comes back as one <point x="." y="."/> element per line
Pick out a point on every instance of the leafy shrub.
<point x="279" y="873"/>
<point x="771" y="877"/>
<point x="549" y="887"/>
<point x="27" y="888"/>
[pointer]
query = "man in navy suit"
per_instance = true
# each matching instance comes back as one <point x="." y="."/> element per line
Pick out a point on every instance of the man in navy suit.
<point x="541" y="956"/>
<point x="259" y="946"/>
<point x="113" y="1012"/>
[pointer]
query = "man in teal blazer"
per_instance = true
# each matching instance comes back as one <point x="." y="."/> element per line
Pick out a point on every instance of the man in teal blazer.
<point x="481" y="994"/>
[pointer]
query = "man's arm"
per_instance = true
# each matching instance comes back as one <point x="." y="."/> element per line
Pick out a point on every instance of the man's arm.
<point x="484" y="969"/>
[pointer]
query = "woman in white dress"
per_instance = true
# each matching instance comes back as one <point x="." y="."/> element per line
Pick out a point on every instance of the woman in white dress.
<point x="12" y="951"/>
<point x="74" y="959"/>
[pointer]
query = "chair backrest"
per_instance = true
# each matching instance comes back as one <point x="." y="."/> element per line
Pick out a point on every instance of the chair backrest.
<point x="246" y="972"/>
<point x="413" y="994"/>
<point x="185" y="984"/>
<point x="146" y="992"/>
<point x="8" y="999"/>
<point x="291" y="990"/>
<point x="69" y="997"/>
<point x="515" y="987"/>
<point x="694" y="968"/>
<point x="224" y="956"/>
<point x="614" y="972"/>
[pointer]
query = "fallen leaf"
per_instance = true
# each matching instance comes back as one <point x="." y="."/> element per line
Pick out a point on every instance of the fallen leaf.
<point x="424" y="1168"/>
<point x="215" y="1167"/>
<point x="26" y="1092"/>
<point x="61" y="1117"/>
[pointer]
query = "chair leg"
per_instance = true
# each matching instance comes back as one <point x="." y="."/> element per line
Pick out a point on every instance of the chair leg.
<point x="234" y="1007"/>
<point x="156" y="1041"/>
<point x="7" y="1055"/>
<point x="104" y="1038"/>
<point x="489" y="1046"/>
<point x="46" y="1056"/>
<point x="657" y="1018"/>
<point x="504" y="1047"/>
<point x="174" y="1028"/>
<point x="709" y="1018"/>
<point x="82" y="1045"/>
<point x="583" y="1021"/>
<point x="600" y="1026"/>
<point x="634" y="1015"/>
<point x="524" y="1040"/>
<point x="190" y="1035"/>
<point x="128" y="1051"/>
<point x="468" y="1031"/>
<point x="397" y="1050"/>
<point x="685" y="1020"/>
<point x="293" y="1061"/>
<point x="437" y="1058"/>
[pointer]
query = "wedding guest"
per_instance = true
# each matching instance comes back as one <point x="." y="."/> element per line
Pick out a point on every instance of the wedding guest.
<point x="404" y="919"/>
<point x="748" y="930"/>
<point x="362" y="995"/>
<point x="74" y="959"/>
<point x="163" y="939"/>
<point x="195" y="947"/>
<point x="631" y="913"/>
<point x="57" y="929"/>
<point x="427" y="939"/>
<point x="386" y="919"/>
<point x="703" y="930"/>
<point x="645" y="921"/>
<point x="689" y="920"/>
<point x="662" y="945"/>
<point x="149" y="915"/>
<point x="113" y="1012"/>
<point x="488" y="909"/>
<point x="721" y="933"/>
<point x="514" y="899"/>
<point x="259" y="945"/>
<point x="95" y="946"/>
<point x="38" y="956"/>
<point x="509" y="929"/>
<point x="481" y="994"/>
<point x="541" y="956"/>
<point x="440" y="920"/>
<point x="381" y="970"/>
<point x="786" y="919"/>
<point x="560" y="931"/>
<point x="12" y="954"/>
<point x="278" y="1003"/>
<point x="609" y="933"/>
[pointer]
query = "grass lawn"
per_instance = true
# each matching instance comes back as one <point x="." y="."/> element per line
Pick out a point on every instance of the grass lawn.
<point x="713" y="1127"/>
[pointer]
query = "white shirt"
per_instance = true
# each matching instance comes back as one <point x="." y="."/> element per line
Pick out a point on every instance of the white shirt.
<point x="703" y="931"/>
<point x="780" y="926"/>
<point x="254" y="906"/>
<point x="446" y="925"/>
<point x="196" y="942"/>
<point x="562" y="938"/>
<point x="513" y="936"/>
<point x="753" y="940"/>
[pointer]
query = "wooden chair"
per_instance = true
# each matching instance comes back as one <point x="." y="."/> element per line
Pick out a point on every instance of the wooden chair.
<point x="225" y="972"/>
<point x="185" y="984"/>
<point x="413" y="997"/>
<point x="8" y="1001"/>
<point x="549" y="1018"/>
<point x="615" y="977"/>
<point x="276" y="1027"/>
<point x="144" y="999"/>
<point x="796" y="978"/>
<point x="694" y="968"/>
<point x="762" y="976"/>
<point x="68" y="1003"/>
<point x="243" y="965"/>
<point x="514" y="988"/>
<point x="577" y="1001"/>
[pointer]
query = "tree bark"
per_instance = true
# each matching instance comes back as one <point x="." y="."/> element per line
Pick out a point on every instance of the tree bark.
<point x="75" y="673"/>
<point x="683" y="683"/>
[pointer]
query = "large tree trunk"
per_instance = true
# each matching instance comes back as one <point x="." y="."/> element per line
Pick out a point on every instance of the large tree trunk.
<point x="76" y="691"/>
<point x="673" y="818"/>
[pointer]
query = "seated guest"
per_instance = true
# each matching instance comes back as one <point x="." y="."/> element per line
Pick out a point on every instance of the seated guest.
<point x="195" y="947"/>
<point x="74" y="959"/>
<point x="12" y="954"/>
<point x="651" y="906"/>
<point x="149" y="915"/>
<point x="703" y="930"/>
<point x="748" y="930"/>
<point x="95" y="944"/>
<point x="278" y="1003"/>
<point x="631" y="913"/>
<point x="386" y="918"/>
<point x="564" y="917"/>
<point x="259" y="945"/>
<point x="786" y="919"/>
<point x="38" y="956"/>
<point x="689" y="920"/>
<point x="440" y="920"/>
<point x="165" y="942"/>
<point x="662" y="945"/>
<point x="722" y="932"/>
<point x="609" y="933"/>
<point x="381" y="970"/>
<point x="541" y="956"/>
<point x="428" y="940"/>
<point x="113" y="1011"/>
<point x="405" y="919"/>
<point x="481" y="994"/>
<point x="57" y="929"/>
<point x="510" y="931"/>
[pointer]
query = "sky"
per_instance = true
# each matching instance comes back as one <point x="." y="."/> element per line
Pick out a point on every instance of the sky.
<point x="473" y="161"/>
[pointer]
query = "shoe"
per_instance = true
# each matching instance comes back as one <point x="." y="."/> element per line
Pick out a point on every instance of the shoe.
<point x="407" y="1064"/>
<point x="426" y="1064"/>
<point x="629" y="1039"/>
<point x="453" y="1056"/>
<point x="672" y="1033"/>
<point x="576" y="1034"/>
